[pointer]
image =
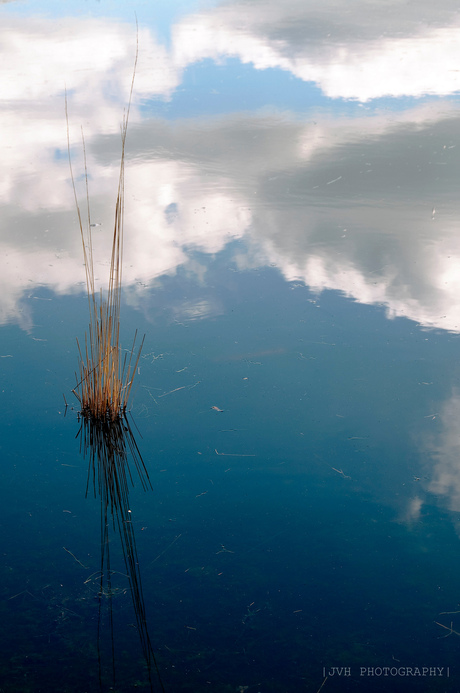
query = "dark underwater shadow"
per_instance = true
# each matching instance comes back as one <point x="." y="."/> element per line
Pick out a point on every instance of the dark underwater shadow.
<point x="108" y="445"/>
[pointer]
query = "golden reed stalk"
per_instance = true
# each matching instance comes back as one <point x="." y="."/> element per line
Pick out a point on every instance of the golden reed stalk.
<point x="106" y="378"/>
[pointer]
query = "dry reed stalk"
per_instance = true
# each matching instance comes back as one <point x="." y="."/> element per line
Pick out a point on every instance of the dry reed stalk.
<point x="106" y="378"/>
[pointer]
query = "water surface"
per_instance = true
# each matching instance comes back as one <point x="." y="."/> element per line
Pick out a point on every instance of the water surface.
<point x="292" y="256"/>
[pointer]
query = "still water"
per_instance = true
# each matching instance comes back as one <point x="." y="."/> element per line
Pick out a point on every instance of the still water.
<point x="292" y="256"/>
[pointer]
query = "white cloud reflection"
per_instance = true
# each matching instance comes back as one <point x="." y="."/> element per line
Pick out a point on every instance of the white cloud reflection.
<point x="445" y="452"/>
<point x="338" y="203"/>
<point x="362" y="51"/>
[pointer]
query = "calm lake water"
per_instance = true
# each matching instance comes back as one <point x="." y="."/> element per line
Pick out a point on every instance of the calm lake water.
<point x="292" y="254"/>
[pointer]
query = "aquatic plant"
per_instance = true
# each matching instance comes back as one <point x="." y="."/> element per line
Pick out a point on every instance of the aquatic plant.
<point x="105" y="375"/>
<point x="103" y="388"/>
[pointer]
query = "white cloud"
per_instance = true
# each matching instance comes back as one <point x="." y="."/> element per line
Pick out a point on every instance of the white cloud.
<point x="362" y="51"/>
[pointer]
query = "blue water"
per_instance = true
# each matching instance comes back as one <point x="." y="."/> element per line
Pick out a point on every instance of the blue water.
<point x="271" y="545"/>
<point x="298" y="529"/>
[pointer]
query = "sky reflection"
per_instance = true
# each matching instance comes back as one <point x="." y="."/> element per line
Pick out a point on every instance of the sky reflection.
<point x="364" y="204"/>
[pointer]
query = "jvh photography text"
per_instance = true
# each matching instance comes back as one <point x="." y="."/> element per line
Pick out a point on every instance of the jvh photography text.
<point x="378" y="672"/>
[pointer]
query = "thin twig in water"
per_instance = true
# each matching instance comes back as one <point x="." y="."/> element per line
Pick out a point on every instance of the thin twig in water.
<point x="167" y="548"/>
<point x="451" y="630"/>
<point x="321" y="685"/>
<point x="232" y="454"/>
<point x="83" y="566"/>
<point x="171" y="391"/>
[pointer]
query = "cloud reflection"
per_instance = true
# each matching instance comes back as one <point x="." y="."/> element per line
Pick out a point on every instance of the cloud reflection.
<point x="365" y="51"/>
<point x="367" y="206"/>
<point x="445" y="452"/>
<point x="348" y="208"/>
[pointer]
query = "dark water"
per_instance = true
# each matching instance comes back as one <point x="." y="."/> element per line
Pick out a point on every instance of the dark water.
<point x="291" y="255"/>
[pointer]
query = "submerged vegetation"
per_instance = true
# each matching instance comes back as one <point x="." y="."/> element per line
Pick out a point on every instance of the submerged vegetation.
<point x="105" y="376"/>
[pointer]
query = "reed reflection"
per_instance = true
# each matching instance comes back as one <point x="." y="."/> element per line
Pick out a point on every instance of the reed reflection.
<point x="109" y="445"/>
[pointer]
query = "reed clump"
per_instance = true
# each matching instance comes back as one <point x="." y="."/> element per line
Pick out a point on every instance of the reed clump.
<point x="105" y="375"/>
